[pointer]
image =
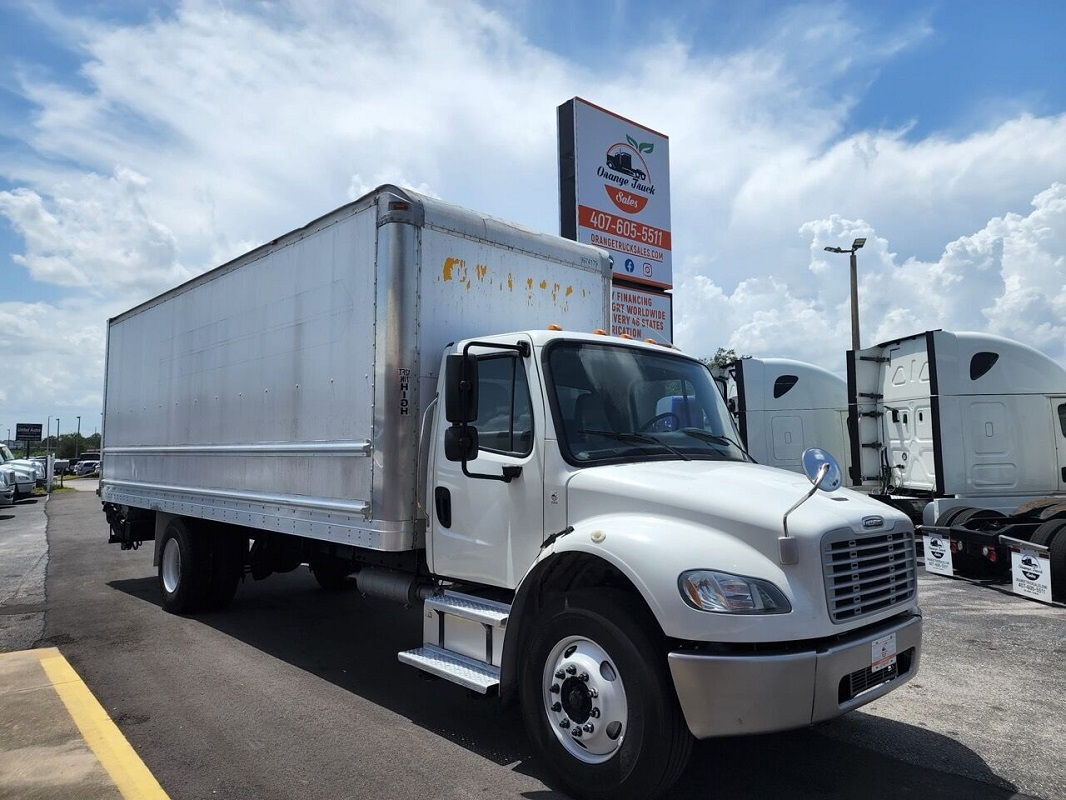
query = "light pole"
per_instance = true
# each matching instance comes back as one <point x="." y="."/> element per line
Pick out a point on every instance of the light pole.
<point x="855" y="247"/>
<point x="57" y="436"/>
<point x="77" y="441"/>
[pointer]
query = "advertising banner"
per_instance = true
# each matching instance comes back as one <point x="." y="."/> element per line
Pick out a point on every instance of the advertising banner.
<point x="641" y="314"/>
<point x="615" y="190"/>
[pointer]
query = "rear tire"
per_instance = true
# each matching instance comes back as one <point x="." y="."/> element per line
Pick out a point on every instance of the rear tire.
<point x="602" y="644"/>
<point x="228" y="551"/>
<point x="1052" y="534"/>
<point x="184" y="567"/>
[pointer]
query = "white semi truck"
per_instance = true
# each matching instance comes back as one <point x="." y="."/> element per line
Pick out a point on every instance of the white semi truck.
<point x="568" y="509"/>
<point x="965" y="432"/>
<point x="782" y="407"/>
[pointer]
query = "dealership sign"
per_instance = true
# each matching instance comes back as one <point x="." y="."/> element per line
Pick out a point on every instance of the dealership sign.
<point x="28" y="431"/>
<point x="641" y="314"/>
<point x="615" y="190"/>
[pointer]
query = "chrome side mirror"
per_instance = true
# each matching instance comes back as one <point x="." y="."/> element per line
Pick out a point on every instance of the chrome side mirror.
<point x="823" y="472"/>
<point x="814" y="461"/>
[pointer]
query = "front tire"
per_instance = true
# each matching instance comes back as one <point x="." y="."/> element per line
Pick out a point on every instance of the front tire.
<point x="610" y="726"/>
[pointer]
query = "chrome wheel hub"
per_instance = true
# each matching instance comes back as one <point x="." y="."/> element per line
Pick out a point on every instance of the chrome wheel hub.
<point x="584" y="699"/>
<point x="171" y="566"/>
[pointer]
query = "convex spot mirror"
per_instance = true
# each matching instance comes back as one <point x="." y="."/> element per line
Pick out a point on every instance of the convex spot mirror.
<point x="815" y="460"/>
<point x="460" y="388"/>
<point x="460" y="443"/>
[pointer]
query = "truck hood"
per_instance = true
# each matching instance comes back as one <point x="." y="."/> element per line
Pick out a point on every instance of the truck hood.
<point x="656" y="520"/>
<point x="726" y="495"/>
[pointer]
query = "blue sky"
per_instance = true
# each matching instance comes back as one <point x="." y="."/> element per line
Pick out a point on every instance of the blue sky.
<point x="141" y="144"/>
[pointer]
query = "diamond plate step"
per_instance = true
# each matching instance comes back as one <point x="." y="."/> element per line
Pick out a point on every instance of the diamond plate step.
<point x="487" y="612"/>
<point x="475" y="675"/>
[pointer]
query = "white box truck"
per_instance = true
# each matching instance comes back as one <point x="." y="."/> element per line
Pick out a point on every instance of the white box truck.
<point x="418" y="399"/>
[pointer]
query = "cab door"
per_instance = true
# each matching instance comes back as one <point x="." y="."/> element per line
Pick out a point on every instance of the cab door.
<point x="483" y="529"/>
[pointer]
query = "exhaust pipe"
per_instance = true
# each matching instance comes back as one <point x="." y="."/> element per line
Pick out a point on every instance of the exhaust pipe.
<point x="396" y="586"/>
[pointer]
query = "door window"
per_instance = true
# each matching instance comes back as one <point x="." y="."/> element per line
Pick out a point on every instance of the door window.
<point x="1062" y="417"/>
<point x="505" y="413"/>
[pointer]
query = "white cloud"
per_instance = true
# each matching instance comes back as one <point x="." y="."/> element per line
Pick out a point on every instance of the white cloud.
<point x="199" y="134"/>
<point x="1007" y="278"/>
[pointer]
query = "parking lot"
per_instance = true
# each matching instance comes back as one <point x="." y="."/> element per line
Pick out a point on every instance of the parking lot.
<point x="294" y="692"/>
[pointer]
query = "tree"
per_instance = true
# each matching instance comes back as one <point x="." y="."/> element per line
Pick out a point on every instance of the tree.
<point x="722" y="358"/>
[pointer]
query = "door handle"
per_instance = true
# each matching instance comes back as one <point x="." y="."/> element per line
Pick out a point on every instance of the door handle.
<point x="442" y="501"/>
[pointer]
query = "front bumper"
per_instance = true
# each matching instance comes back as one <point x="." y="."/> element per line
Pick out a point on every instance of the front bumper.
<point x="727" y="695"/>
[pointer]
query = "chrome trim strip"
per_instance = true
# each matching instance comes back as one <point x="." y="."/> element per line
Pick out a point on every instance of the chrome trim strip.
<point x="291" y="500"/>
<point x="261" y="449"/>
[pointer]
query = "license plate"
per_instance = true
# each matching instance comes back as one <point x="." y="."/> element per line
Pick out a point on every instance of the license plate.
<point x="883" y="652"/>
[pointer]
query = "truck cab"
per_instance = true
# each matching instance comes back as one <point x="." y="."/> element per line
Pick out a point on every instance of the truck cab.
<point x="569" y="470"/>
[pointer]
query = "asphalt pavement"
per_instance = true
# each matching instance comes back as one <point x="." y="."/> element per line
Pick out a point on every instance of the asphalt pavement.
<point x="296" y="693"/>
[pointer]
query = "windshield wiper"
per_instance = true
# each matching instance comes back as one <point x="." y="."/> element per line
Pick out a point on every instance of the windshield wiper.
<point x="713" y="438"/>
<point x="640" y="438"/>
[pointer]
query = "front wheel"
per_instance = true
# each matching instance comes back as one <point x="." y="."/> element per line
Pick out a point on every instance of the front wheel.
<point x="597" y="701"/>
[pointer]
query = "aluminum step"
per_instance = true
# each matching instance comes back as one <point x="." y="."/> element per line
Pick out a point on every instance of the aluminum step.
<point x="474" y="675"/>
<point x="487" y="612"/>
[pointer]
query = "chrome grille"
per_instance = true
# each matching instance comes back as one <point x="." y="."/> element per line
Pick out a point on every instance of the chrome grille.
<point x="867" y="573"/>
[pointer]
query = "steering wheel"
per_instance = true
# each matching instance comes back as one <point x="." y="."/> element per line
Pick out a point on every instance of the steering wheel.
<point x="657" y="418"/>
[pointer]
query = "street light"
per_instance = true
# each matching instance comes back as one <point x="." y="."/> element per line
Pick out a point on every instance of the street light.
<point x="77" y="441"/>
<point x="855" y="247"/>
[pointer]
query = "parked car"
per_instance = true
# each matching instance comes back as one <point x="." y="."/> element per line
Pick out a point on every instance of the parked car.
<point x="88" y="465"/>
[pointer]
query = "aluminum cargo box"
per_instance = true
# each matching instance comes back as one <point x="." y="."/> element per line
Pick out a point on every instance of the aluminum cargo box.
<point x="285" y="389"/>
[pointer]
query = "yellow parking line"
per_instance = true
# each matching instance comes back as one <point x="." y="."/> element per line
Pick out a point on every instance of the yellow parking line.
<point x="103" y="737"/>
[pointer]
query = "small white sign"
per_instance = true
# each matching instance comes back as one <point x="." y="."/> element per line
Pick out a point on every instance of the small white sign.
<point x="883" y="652"/>
<point x="1030" y="572"/>
<point x="641" y="314"/>
<point x="938" y="554"/>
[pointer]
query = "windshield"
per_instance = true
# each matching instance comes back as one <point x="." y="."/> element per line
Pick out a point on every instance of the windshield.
<point x="5" y="454"/>
<point x="614" y="403"/>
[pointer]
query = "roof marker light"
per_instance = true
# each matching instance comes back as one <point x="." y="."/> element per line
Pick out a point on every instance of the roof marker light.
<point x="554" y="327"/>
<point x="600" y="332"/>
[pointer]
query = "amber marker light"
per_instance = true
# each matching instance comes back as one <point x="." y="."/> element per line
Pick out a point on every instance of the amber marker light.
<point x="554" y="327"/>
<point x="600" y="332"/>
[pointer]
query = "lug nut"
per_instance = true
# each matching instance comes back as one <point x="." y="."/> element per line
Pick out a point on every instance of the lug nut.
<point x="565" y="723"/>
<point x="557" y="707"/>
<point x="585" y="677"/>
<point x="570" y="669"/>
<point x="560" y="674"/>
<point x="595" y="713"/>
<point x="576" y="733"/>
<point x="555" y="688"/>
<point x="594" y="692"/>
<point x="588" y="727"/>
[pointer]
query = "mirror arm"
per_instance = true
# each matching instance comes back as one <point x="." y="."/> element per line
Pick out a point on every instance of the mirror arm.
<point x="522" y="348"/>
<point x="510" y="472"/>
<point x="789" y="552"/>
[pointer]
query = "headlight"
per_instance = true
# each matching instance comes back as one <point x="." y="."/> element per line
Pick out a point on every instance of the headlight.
<point x="724" y="593"/>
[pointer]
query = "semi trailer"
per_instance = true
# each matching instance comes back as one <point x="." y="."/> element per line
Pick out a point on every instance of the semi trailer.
<point x="421" y="401"/>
